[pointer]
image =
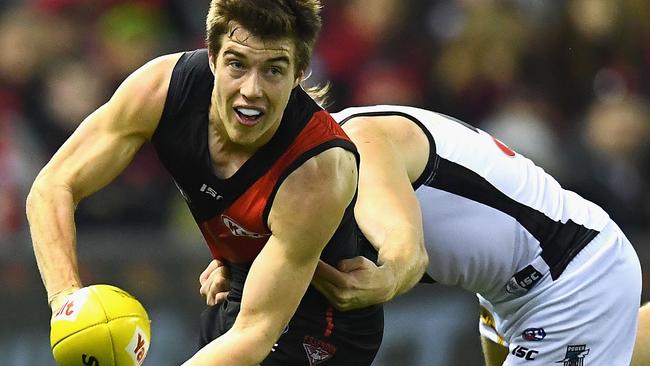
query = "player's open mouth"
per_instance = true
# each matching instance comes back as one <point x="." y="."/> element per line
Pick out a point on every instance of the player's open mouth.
<point x="248" y="116"/>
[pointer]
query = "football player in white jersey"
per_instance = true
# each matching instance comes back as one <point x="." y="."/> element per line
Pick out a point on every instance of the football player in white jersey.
<point x="547" y="265"/>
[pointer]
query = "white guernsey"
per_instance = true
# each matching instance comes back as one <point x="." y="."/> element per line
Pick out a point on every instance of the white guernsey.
<point x="547" y="265"/>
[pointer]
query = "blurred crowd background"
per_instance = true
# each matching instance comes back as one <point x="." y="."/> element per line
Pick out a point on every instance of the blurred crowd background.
<point x="564" y="82"/>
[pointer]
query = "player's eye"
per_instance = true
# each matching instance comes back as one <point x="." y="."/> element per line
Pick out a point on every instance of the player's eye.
<point x="235" y="65"/>
<point x="274" y="70"/>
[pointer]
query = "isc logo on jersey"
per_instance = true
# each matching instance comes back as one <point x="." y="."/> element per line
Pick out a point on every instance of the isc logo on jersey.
<point x="523" y="280"/>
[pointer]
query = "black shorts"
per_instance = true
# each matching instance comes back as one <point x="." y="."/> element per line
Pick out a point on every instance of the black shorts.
<point x="316" y="335"/>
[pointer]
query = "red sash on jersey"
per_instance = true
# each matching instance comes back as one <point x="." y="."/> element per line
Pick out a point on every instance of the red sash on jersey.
<point x="239" y="233"/>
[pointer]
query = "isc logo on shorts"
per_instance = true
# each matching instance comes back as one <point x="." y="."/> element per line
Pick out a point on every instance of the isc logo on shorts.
<point x="525" y="353"/>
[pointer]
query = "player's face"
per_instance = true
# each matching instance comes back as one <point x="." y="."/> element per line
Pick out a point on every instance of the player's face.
<point x="253" y="82"/>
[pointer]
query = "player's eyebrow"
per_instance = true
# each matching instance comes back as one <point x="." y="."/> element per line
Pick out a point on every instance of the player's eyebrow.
<point x="283" y="58"/>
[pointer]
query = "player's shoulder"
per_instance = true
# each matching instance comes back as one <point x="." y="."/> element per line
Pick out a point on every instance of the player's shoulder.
<point x="157" y="72"/>
<point x="321" y="187"/>
<point x="331" y="173"/>
<point x="165" y="61"/>
<point x="151" y="80"/>
<point x="141" y="96"/>
<point x="328" y="165"/>
<point x="389" y="126"/>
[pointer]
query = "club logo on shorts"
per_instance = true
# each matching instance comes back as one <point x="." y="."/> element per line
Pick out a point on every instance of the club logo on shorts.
<point x="317" y="350"/>
<point x="575" y="355"/>
<point x="533" y="334"/>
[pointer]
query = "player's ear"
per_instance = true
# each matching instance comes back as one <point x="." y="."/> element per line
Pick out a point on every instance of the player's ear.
<point x="211" y="61"/>
<point x="299" y="79"/>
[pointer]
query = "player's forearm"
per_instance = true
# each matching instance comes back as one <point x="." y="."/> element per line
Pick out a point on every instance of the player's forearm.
<point x="237" y="347"/>
<point x="403" y="254"/>
<point x="50" y="212"/>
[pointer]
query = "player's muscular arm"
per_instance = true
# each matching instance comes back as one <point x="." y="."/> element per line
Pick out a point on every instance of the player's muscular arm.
<point x="393" y="152"/>
<point x="305" y="214"/>
<point x="99" y="150"/>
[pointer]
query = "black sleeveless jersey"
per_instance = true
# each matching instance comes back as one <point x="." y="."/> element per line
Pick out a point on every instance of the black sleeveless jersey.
<point x="232" y="213"/>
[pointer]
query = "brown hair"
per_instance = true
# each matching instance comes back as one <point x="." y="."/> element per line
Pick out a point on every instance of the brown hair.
<point x="267" y="19"/>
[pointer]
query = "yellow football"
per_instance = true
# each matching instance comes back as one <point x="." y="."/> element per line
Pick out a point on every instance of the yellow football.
<point x="100" y="325"/>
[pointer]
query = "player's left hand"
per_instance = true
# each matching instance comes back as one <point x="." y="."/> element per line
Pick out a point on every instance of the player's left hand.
<point x="215" y="283"/>
<point x="357" y="283"/>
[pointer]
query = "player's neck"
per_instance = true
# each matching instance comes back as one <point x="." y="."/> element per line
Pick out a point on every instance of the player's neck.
<point x="226" y="158"/>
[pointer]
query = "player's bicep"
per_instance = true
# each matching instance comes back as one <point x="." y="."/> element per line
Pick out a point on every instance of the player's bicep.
<point x="305" y="214"/>
<point x="311" y="201"/>
<point x="386" y="200"/>
<point x="107" y="140"/>
<point x="92" y="156"/>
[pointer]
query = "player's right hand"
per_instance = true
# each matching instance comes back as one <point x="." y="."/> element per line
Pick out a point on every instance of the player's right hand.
<point x="215" y="283"/>
<point x="355" y="283"/>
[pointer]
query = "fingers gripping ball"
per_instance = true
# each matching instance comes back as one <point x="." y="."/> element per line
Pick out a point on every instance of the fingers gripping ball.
<point x="100" y="325"/>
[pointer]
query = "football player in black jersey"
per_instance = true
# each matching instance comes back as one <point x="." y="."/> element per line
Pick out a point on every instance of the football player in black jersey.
<point x="232" y="125"/>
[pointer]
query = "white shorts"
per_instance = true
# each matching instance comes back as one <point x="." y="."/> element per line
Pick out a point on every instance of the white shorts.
<point x="588" y="316"/>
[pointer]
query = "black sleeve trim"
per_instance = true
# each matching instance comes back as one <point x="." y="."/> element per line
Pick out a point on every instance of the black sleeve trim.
<point x="168" y="112"/>
<point x="432" y="163"/>
<point x="347" y="145"/>
<point x="560" y="241"/>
